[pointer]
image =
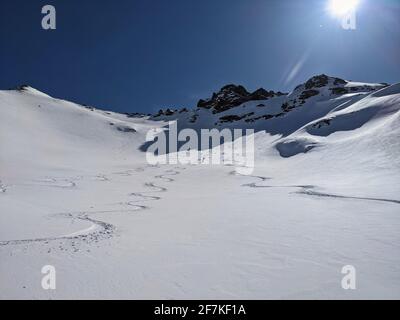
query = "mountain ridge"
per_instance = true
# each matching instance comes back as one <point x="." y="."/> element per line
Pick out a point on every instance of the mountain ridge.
<point x="233" y="96"/>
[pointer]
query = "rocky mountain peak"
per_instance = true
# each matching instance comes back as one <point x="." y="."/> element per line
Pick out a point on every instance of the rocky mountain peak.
<point x="21" y="87"/>
<point x="232" y="95"/>
<point x="323" y="80"/>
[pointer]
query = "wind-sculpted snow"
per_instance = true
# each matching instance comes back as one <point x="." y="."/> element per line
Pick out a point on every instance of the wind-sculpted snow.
<point x="372" y="113"/>
<point x="289" y="148"/>
<point x="390" y="90"/>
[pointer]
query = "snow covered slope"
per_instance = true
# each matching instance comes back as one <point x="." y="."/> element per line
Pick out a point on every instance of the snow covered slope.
<point x="76" y="192"/>
<point x="39" y="132"/>
<point x="378" y="110"/>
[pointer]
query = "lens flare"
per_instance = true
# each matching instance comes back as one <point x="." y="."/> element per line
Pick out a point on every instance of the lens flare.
<point x="342" y="7"/>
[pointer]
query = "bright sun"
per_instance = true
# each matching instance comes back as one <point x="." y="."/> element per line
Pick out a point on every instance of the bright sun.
<point x="342" y="7"/>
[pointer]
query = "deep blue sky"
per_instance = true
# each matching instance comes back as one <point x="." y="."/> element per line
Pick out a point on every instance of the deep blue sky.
<point x="141" y="55"/>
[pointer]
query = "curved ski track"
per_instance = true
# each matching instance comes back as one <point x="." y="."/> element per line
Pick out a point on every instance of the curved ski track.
<point x="309" y="190"/>
<point x="99" y="230"/>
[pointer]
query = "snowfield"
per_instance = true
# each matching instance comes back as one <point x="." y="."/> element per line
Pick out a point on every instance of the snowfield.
<point x="77" y="193"/>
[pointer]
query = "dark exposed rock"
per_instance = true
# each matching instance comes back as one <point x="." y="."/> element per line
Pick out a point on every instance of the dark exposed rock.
<point x="265" y="117"/>
<point x="169" y="112"/>
<point x="231" y="96"/>
<point x="298" y="87"/>
<point x="317" y="82"/>
<point x="339" y="81"/>
<point x="280" y="114"/>
<point x="339" y="90"/>
<point x="232" y="118"/>
<point x="261" y="94"/>
<point x="21" y="87"/>
<point x="126" y="129"/>
<point x="135" y="115"/>
<point x="204" y="104"/>
<point x="308" y="94"/>
<point x="238" y="89"/>
<point x="159" y="113"/>
<point x="322" y="81"/>
<point x="322" y="123"/>
<point x="287" y="107"/>
<point x="193" y="118"/>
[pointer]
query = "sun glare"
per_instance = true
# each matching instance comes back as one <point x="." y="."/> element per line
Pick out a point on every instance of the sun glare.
<point x="342" y="7"/>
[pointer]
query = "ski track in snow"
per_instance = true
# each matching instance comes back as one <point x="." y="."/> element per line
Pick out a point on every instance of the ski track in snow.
<point x="3" y="188"/>
<point x="144" y="195"/>
<point x="101" y="177"/>
<point x="321" y="194"/>
<point x="252" y="184"/>
<point x="307" y="190"/>
<point x="52" y="183"/>
<point x="99" y="230"/>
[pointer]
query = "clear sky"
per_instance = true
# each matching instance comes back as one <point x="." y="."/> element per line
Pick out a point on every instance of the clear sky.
<point x="142" y="55"/>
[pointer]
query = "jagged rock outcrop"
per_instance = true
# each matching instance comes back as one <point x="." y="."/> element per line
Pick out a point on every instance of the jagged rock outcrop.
<point x="231" y="96"/>
<point x="232" y="103"/>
